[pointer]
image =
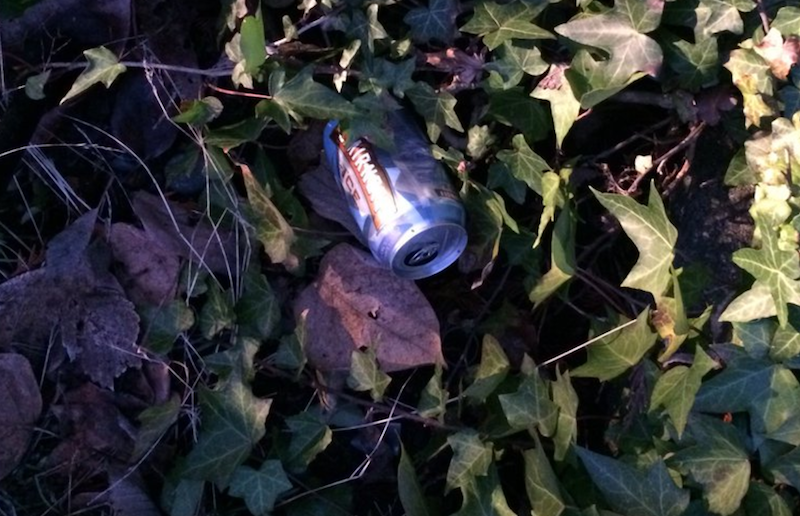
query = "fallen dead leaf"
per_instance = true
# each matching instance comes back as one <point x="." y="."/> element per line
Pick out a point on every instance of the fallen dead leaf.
<point x="94" y="431"/>
<point x="73" y="296"/>
<point x="20" y="407"/>
<point x="191" y="238"/>
<point x="149" y="270"/>
<point x="355" y="303"/>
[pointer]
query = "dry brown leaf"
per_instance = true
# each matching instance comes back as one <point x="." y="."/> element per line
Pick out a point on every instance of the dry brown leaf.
<point x="20" y="407"/>
<point x="93" y="430"/>
<point x="781" y="55"/>
<point x="173" y="227"/>
<point x="73" y="297"/>
<point x="149" y="271"/>
<point x="355" y="303"/>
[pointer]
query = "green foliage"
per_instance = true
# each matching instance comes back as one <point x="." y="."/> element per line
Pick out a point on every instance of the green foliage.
<point x="103" y="66"/>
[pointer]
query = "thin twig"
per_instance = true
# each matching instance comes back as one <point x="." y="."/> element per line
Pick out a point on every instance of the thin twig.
<point x="585" y="344"/>
<point x="211" y="72"/>
<point x="691" y="137"/>
<point x="624" y="143"/>
<point x="239" y="93"/>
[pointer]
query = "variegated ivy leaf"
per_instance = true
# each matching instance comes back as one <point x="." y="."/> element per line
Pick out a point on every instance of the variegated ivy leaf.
<point x="621" y="33"/>
<point x="654" y="237"/>
<point x="751" y="74"/>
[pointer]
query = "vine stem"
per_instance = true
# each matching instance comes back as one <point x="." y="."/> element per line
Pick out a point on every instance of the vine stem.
<point x="211" y="72"/>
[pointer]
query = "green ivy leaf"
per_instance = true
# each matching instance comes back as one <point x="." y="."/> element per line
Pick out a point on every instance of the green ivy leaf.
<point x="562" y="259"/>
<point x="752" y="75"/>
<point x="756" y="303"/>
<point x="479" y="141"/>
<point x="696" y="66"/>
<point x="530" y="406"/>
<point x="435" y="108"/>
<point x="633" y="492"/>
<point x="309" y="436"/>
<point x="303" y="96"/>
<point x="163" y="324"/>
<point x="763" y="500"/>
<point x="433" y="400"/>
<point x="675" y="390"/>
<point x="365" y="375"/>
<point x="34" y="85"/>
<point x="552" y="198"/>
<point x="493" y="368"/>
<point x="515" y="108"/>
<point x="718" y="462"/>
<point x="365" y="26"/>
<point x="103" y="66"/>
<point x="744" y="382"/>
<point x="232" y="423"/>
<point x="408" y="489"/>
<point x="564" y="105"/>
<point x="217" y="313"/>
<point x="621" y="33"/>
<point x="253" y="43"/>
<point x="270" y="226"/>
<point x="435" y="22"/>
<point x="654" y="237"/>
<point x="155" y="421"/>
<point x="199" y="112"/>
<point x="566" y="399"/>
<point x="498" y="23"/>
<point x="787" y="21"/>
<point x="471" y="459"/>
<point x="257" y="311"/>
<point x="513" y="60"/>
<point x="541" y="483"/>
<point x="707" y="17"/>
<point x="618" y="352"/>
<point x="291" y="353"/>
<point x="524" y="164"/>
<point x="260" y="487"/>
<point x="739" y="172"/>
<point x="381" y="75"/>
<point x="485" y="497"/>
<point x="774" y="268"/>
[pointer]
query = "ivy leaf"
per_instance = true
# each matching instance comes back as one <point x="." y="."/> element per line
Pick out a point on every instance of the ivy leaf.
<point x="515" y="108"/>
<point x="253" y="44"/>
<point x="675" y="390"/>
<point x="718" y="462"/>
<point x="530" y="406"/>
<point x="564" y="106"/>
<point x="541" y="483"/>
<point x="199" y="112"/>
<point x="707" y="17"/>
<point x="303" y="96"/>
<point x="479" y="140"/>
<point x="524" y="164"/>
<point x="787" y="21"/>
<point x="498" y="23"/>
<point x="485" y="497"/>
<point x="774" y="268"/>
<point x="513" y="60"/>
<point x="696" y="66"/>
<point x="408" y="489"/>
<point x="566" y="399"/>
<point x="562" y="259"/>
<point x="435" y="22"/>
<point x="257" y="310"/>
<point x="271" y="228"/>
<point x="762" y="499"/>
<point x="471" y="459"/>
<point x="365" y="374"/>
<point x="433" y="400"/>
<point x="739" y="172"/>
<point x="365" y="26"/>
<point x="633" y="492"/>
<point x="103" y="66"/>
<point x="745" y="382"/>
<point x="493" y="368"/>
<point x="291" y="352"/>
<point x="752" y="75"/>
<point x="155" y="421"/>
<point x="233" y="422"/>
<point x="260" y="487"/>
<point x="381" y="75"/>
<point x="309" y="436"/>
<point x="653" y="235"/>
<point x="618" y="352"/>
<point x="621" y="33"/>
<point x="217" y="313"/>
<point x="756" y="303"/>
<point x="164" y="323"/>
<point x="552" y="198"/>
<point x="435" y="108"/>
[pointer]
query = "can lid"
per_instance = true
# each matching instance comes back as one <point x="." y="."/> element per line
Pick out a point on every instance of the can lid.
<point x="426" y="249"/>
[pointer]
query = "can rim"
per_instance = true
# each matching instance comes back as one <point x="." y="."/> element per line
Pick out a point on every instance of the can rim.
<point x="455" y="230"/>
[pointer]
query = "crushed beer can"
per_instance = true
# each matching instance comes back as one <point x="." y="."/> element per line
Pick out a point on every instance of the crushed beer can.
<point x="402" y="200"/>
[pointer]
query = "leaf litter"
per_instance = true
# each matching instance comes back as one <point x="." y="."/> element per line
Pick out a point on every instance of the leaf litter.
<point x="20" y="407"/>
<point x="356" y="304"/>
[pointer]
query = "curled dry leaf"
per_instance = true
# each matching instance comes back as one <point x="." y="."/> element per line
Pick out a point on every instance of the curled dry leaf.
<point x="20" y="407"/>
<point x="319" y="187"/>
<point x="354" y="303"/>
<point x="149" y="270"/>
<point x="191" y="238"/>
<point x="74" y="297"/>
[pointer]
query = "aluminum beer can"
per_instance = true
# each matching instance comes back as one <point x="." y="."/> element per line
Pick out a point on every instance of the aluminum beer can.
<point x="402" y="200"/>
